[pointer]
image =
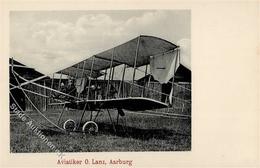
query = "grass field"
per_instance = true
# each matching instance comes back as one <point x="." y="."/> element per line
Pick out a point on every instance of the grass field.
<point x="141" y="133"/>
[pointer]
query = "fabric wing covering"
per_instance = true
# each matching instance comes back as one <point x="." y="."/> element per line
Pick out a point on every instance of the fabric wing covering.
<point x="142" y="46"/>
<point x="163" y="67"/>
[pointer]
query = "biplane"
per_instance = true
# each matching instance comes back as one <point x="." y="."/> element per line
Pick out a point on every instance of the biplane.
<point x="108" y="80"/>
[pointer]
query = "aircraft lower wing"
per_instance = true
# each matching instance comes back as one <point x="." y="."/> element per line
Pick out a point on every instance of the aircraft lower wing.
<point x="130" y="103"/>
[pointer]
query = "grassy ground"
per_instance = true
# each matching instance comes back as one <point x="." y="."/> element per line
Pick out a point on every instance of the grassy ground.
<point x="142" y="133"/>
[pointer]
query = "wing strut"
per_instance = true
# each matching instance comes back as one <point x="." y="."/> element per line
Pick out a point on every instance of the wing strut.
<point x="136" y="56"/>
<point x="34" y="104"/>
<point x="108" y="81"/>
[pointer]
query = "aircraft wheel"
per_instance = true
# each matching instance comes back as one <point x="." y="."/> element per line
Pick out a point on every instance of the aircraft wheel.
<point x="90" y="127"/>
<point x="69" y="125"/>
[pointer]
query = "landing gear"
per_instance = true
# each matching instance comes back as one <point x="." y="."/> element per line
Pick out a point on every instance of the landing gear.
<point x="69" y="125"/>
<point x="90" y="127"/>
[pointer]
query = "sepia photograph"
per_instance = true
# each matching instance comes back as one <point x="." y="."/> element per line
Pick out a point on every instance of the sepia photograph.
<point x="100" y="81"/>
<point x="129" y="83"/>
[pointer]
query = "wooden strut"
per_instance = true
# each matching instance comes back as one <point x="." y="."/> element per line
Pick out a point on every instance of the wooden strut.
<point x="113" y="70"/>
<point x="29" y="81"/>
<point x="113" y="124"/>
<point x="82" y="115"/>
<point x="89" y="82"/>
<point x="108" y="82"/>
<point x="136" y="56"/>
<point x="123" y="121"/>
<point x="91" y="115"/>
<point x="38" y="94"/>
<point x="45" y="86"/>
<point x="12" y="61"/>
<point x="19" y="107"/>
<point x="69" y="74"/>
<point x="31" y="91"/>
<point x="19" y="66"/>
<point x="61" y="114"/>
<point x="121" y="82"/>
<point x="177" y="58"/>
<point x="60" y="81"/>
<point x="77" y="71"/>
<point x="105" y="76"/>
<point x="82" y="75"/>
<point x="35" y="106"/>
<point x="52" y="83"/>
<point x="124" y="124"/>
<point x="97" y="115"/>
<point x="95" y="91"/>
<point x="45" y="93"/>
<point x="77" y="75"/>
<point x="143" y="91"/>
<point x="112" y="79"/>
<point x="117" y="118"/>
<point x="149" y="81"/>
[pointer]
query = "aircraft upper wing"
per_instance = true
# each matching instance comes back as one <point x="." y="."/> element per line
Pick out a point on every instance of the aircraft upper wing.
<point x="122" y="54"/>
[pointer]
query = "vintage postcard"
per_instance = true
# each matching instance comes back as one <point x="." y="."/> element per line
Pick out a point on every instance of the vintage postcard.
<point x="122" y="85"/>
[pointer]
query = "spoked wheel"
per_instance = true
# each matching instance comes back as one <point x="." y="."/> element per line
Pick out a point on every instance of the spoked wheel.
<point x="90" y="127"/>
<point x="69" y="125"/>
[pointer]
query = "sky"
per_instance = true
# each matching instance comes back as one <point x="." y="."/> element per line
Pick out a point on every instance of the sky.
<point x="53" y="40"/>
